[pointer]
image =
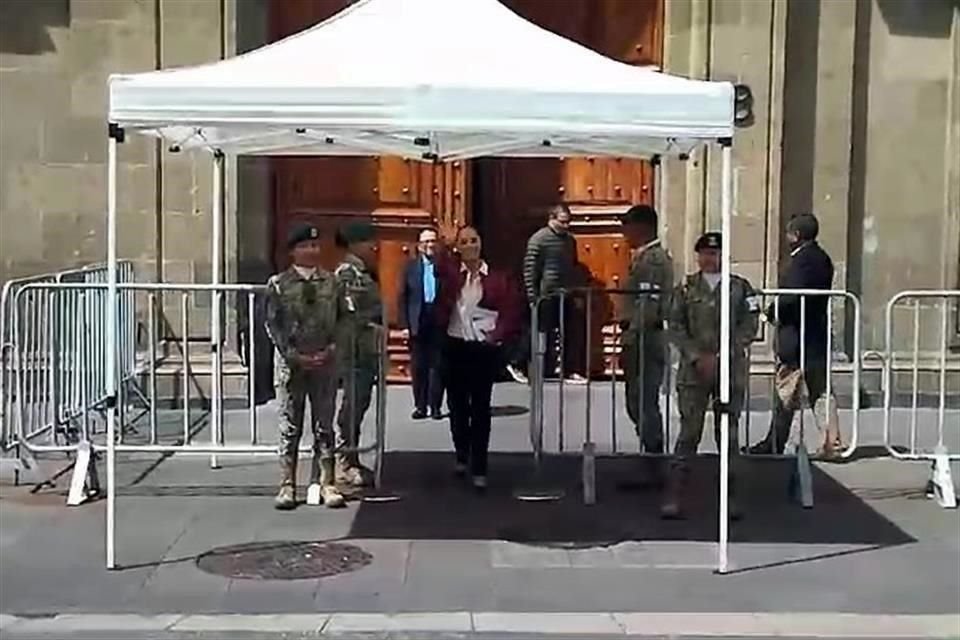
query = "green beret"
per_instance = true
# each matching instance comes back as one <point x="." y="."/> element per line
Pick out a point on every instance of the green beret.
<point x="641" y="214"/>
<point x="356" y="232"/>
<point x="301" y="232"/>
<point x="709" y="240"/>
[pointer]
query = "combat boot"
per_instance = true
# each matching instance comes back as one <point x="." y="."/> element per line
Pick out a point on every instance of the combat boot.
<point x="672" y="506"/>
<point x="287" y="496"/>
<point x="351" y="473"/>
<point x="331" y="496"/>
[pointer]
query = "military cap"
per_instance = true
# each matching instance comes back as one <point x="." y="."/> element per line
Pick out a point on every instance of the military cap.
<point x="804" y="225"/>
<point x="641" y="214"/>
<point x="301" y="232"/>
<point x="355" y="232"/>
<point x="709" y="240"/>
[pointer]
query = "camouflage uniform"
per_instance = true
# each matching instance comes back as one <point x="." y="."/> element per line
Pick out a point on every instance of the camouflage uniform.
<point x="359" y="358"/>
<point x="694" y="326"/>
<point x="303" y="316"/>
<point x="644" y="344"/>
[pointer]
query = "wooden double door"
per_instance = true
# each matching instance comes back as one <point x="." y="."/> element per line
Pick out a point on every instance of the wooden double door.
<point x="505" y="198"/>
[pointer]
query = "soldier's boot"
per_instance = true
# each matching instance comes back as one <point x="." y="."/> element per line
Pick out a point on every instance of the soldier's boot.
<point x="672" y="506"/>
<point x="351" y="473"/>
<point x="287" y="496"/>
<point x="332" y="498"/>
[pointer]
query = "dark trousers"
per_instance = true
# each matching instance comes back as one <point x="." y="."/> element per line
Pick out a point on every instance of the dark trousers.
<point x="558" y="347"/>
<point x="815" y="376"/>
<point x="426" y="351"/>
<point x="471" y="367"/>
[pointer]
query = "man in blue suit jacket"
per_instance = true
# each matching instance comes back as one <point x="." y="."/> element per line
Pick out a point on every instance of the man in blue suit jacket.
<point x="418" y="293"/>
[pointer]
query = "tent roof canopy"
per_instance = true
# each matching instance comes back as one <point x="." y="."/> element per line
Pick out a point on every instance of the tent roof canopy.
<point x="436" y="79"/>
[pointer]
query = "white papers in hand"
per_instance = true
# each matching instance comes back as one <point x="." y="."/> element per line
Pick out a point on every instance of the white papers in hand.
<point x="484" y="321"/>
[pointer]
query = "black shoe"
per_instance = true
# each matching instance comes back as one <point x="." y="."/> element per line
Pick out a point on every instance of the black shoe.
<point x="418" y="414"/>
<point x="436" y="414"/>
<point x="764" y="447"/>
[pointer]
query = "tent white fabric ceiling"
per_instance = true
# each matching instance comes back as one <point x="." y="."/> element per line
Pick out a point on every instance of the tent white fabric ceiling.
<point x="439" y="79"/>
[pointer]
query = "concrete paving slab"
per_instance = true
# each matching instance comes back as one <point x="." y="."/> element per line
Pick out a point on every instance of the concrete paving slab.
<point x="822" y="624"/>
<point x="98" y="622"/>
<point x="509" y="555"/>
<point x="405" y="622"/>
<point x="7" y="620"/>
<point x="546" y="623"/>
<point x="280" y="623"/>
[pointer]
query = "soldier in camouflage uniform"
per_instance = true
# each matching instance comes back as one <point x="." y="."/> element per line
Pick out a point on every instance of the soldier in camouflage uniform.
<point x="644" y="344"/>
<point x="359" y="352"/>
<point x="303" y="314"/>
<point x="694" y="326"/>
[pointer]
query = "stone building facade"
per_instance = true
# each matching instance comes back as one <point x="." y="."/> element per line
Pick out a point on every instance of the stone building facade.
<point x="857" y="108"/>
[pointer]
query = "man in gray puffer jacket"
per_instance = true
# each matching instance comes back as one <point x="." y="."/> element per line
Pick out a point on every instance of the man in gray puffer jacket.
<point x="548" y="267"/>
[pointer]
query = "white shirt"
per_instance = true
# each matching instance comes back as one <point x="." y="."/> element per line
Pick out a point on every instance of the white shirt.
<point x="469" y="322"/>
<point x="305" y="272"/>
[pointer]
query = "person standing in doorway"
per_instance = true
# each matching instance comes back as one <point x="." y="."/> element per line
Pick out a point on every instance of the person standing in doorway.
<point x="645" y="347"/>
<point x="479" y="310"/>
<point x="303" y="319"/>
<point x="810" y="267"/>
<point x="695" y="330"/>
<point x="360" y="351"/>
<point x="548" y="268"/>
<point x="417" y="311"/>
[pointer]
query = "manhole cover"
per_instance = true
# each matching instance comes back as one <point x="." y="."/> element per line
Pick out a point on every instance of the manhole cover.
<point x="284" y="560"/>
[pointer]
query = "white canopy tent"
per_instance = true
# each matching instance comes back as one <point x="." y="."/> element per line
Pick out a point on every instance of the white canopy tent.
<point x="431" y="80"/>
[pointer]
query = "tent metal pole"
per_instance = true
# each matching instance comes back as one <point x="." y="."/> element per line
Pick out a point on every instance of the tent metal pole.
<point x="110" y="356"/>
<point x="216" y="346"/>
<point x="725" y="330"/>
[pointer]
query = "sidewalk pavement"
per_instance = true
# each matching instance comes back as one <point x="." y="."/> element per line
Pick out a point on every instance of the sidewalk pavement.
<point x="873" y="545"/>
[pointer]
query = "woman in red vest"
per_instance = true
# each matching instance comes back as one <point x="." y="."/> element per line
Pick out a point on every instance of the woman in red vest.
<point x="479" y="309"/>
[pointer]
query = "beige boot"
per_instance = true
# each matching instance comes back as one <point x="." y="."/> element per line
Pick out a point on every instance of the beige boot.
<point x="672" y="506"/>
<point x="287" y="496"/>
<point x="351" y="473"/>
<point x="332" y="498"/>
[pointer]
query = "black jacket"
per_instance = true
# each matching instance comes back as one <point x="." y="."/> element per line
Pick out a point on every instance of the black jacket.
<point x="411" y="302"/>
<point x="809" y="268"/>
<point x="549" y="262"/>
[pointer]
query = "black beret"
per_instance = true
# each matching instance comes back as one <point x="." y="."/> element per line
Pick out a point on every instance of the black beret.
<point x="641" y="214"/>
<point x="301" y="232"/>
<point x="709" y="240"/>
<point x="804" y="225"/>
<point x="356" y="232"/>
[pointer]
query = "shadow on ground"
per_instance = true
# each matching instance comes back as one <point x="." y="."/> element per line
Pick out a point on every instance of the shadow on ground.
<point x="434" y="505"/>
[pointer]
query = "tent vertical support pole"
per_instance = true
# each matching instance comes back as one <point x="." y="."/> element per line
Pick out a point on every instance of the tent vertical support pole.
<point x="216" y="304"/>
<point x="110" y="355"/>
<point x="725" y="331"/>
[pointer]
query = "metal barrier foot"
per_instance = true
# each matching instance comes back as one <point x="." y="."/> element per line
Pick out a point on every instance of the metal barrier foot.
<point x="589" y="473"/>
<point x="314" y="499"/>
<point x="801" y="479"/>
<point x="84" y="483"/>
<point x="940" y="486"/>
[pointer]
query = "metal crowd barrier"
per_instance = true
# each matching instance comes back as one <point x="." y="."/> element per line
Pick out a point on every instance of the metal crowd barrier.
<point x="168" y="433"/>
<point x="51" y="377"/>
<point x="940" y="484"/>
<point x="589" y="449"/>
<point x="801" y="480"/>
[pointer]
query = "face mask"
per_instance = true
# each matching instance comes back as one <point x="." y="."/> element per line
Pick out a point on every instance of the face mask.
<point x="712" y="279"/>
